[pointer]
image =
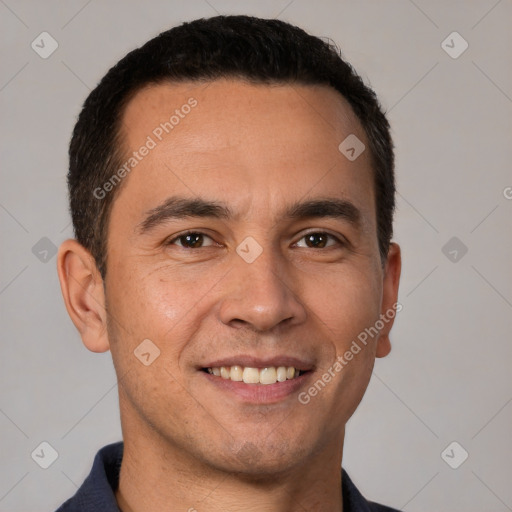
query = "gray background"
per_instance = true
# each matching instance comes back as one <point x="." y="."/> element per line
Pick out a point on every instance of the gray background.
<point x="448" y="376"/>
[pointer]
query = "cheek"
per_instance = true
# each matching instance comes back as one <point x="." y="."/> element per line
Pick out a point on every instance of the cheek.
<point x="155" y="306"/>
<point x="346" y="302"/>
<point x="159" y="310"/>
<point x="147" y="302"/>
<point x="347" y="305"/>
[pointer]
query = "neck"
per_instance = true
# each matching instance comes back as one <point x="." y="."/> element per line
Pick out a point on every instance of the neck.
<point x="156" y="475"/>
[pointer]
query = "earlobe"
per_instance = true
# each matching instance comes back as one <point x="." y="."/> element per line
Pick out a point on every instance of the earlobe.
<point x="383" y="346"/>
<point x="82" y="289"/>
<point x="389" y="309"/>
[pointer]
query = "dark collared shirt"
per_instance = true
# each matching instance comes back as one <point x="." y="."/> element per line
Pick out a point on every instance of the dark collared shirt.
<point x="97" y="492"/>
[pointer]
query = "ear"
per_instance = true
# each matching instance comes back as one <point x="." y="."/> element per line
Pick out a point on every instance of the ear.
<point x="389" y="309"/>
<point x="82" y="289"/>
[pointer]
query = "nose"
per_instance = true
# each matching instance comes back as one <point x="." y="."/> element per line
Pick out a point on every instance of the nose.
<point x="261" y="295"/>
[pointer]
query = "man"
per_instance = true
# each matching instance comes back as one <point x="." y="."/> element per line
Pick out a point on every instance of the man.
<point x="232" y="193"/>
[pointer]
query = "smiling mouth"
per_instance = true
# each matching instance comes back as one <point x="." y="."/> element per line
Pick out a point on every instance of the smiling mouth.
<point x="250" y="375"/>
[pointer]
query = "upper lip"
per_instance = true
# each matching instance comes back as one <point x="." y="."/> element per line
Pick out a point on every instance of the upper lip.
<point x="259" y="362"/>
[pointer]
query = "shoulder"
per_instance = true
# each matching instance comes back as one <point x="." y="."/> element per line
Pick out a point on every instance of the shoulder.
<point x="354" y="501"/>
<point x="97" y="491"/>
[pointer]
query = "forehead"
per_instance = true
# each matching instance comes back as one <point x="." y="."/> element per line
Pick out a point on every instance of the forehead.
<point x="246" y="143"/>
<point x="236" y="107"/>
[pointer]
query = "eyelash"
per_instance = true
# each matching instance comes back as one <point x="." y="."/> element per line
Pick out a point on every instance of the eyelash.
<point x="338" y="241"/>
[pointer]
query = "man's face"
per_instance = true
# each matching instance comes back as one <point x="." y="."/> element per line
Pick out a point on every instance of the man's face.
<point x="280" y="268"/>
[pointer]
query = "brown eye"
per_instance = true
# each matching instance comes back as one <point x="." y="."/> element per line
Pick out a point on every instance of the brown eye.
<point x="192" y="241"/>
<point x="318" y="240"/>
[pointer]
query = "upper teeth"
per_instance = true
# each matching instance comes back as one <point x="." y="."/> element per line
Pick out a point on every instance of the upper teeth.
<point x="269" y="375"/>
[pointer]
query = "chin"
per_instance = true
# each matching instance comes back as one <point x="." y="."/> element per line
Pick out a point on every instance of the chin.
<point x="261" y="461"/>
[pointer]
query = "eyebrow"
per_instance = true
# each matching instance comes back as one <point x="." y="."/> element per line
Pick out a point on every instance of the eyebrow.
<point x="180" y="208"/>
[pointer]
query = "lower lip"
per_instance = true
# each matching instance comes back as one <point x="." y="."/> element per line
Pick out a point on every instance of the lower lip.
<point x="259" y="393"/>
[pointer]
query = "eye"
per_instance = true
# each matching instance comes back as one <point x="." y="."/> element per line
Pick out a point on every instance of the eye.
<point x="191" y="240"/>
<point x="318" y="240"/>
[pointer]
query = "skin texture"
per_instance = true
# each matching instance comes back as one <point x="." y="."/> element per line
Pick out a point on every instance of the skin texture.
<point x="256" y="149"/>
